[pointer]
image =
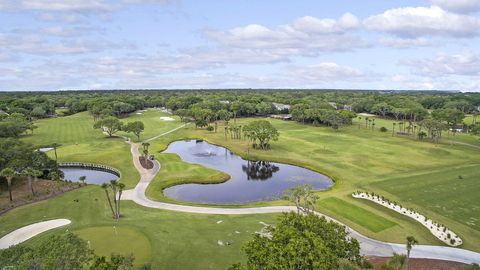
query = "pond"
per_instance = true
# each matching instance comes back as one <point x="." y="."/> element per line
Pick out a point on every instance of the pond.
<point x="250" y="181"/>
<point x="96" y="177"/>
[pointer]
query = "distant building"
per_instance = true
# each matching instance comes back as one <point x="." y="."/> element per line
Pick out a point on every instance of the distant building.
<point x="281" y="107"/>
<point x="348" y="107"/>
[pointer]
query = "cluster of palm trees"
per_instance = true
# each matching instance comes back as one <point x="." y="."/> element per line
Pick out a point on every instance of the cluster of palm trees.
<point x="235" y="131"/>
<point x="31" y="174"/>
<point x="145" y="146"/>
<point x="117" y="190"/>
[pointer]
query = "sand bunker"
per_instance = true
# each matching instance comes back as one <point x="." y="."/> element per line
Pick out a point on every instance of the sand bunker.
<point x="166" y="118"/>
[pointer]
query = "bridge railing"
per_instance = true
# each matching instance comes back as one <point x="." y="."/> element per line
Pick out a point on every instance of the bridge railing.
<point x="93" y="166"/>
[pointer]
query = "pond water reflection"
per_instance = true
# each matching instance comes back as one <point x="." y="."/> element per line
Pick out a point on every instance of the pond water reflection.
<point x="96" y="177"/>
<point x="250" y="181"/>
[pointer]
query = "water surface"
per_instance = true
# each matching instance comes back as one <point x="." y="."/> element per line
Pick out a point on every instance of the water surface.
<point x="250" y="181"/>
<point x="96" y="177"/>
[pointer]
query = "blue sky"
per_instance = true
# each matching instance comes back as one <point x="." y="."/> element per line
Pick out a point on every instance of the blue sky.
<point x="124" y="44"/>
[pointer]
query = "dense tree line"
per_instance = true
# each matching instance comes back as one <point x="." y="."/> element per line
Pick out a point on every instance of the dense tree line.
<point x="333" y="108"/>
<point x="241" y="102"/>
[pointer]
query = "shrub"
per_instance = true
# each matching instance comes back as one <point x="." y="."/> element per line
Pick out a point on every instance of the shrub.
<point x="383" y="129"/>
<point x="210" y="128"/>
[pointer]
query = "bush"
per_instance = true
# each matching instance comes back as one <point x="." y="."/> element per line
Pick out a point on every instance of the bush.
<point x="383" y="129"/>
<point x="210" y="128"/>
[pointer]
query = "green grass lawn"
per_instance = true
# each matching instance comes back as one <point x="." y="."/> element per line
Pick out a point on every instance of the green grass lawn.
<point x="365" y="218"/>
<point x="168" y="240"/>
<point x="153" y="124"/>
<point x="80" y="142"/>
<point x="124" y="240"/>
<point x="415" y="173"/>
<point x="450" y="192"/>
<point x="447" y="136"/>
<point x="355" y="158"/>
<point x="174" y="172"/>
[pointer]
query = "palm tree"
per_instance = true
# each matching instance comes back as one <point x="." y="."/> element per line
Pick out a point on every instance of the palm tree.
<point x="36" y="174"/>
<point x="8" y="173"/>
<point x="393" y="130"/>
<point x="114" y="186"/>
<point x="55" y="145"/>
<point x="411" y="241"/>
<point x="145" y="146"/>
<point x="28" y="172"/>
<point x="121" y="187"/>
<point x="105" y="188"/>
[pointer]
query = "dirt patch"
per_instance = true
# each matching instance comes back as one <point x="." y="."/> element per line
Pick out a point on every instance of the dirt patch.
<point x="146" y="163"/>
<point x="419" y="264"/>
<point x="22" y="194"/>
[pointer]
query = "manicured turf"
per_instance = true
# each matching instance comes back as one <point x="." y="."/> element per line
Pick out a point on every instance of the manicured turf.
<point x="451" y="192"/>
<point x="153" y="124"/>
<point x="356" y="157"/>
<point x="177" y="240"/>
<point x="124" y="240"/>
<point x="174" y="171"/>
<point x="81" y="143"/>
<point x="360" y="216"/>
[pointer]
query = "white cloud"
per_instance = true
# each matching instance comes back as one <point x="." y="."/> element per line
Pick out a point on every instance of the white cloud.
<point x="461" y="6"/>
<point x="73" y="5"/>
<point x="326" y="71"/>
<point x="403" y="43"/>
<point x="55" y="5"/>
<point x="423" y="21"/>
<point x="36" y="45"/>
<point x="464" y="64"/>
<point x="305" y="36"/>
<point x="63" y="31"/>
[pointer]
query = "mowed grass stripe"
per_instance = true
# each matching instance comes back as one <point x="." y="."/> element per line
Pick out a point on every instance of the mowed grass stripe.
<point x="360" y="216"/>
<point x="451" y="192"/>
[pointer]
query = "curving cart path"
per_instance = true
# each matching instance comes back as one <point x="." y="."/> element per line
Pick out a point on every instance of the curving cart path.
<point x="369" y="247"/>
<point x="23" y="234"/>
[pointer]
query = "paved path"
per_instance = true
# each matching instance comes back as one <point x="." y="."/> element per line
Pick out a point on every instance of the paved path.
<point x="368" y="246"/>
<point x="23" y="234"/>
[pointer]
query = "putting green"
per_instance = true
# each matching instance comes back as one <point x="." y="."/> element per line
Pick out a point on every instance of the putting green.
<point x="118" y="239"/>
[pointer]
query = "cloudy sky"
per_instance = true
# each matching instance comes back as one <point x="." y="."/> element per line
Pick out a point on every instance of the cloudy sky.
<point x="123" y="44"/>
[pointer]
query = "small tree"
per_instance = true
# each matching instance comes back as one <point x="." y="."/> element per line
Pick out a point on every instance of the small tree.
<point x="109" y="124"/>
<point x="82" y="179"/>
<point x="303" y="197"/>
<point x="421" y="135"/>
<point x="262" y="131"/>
<point x="136" y="128"/>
